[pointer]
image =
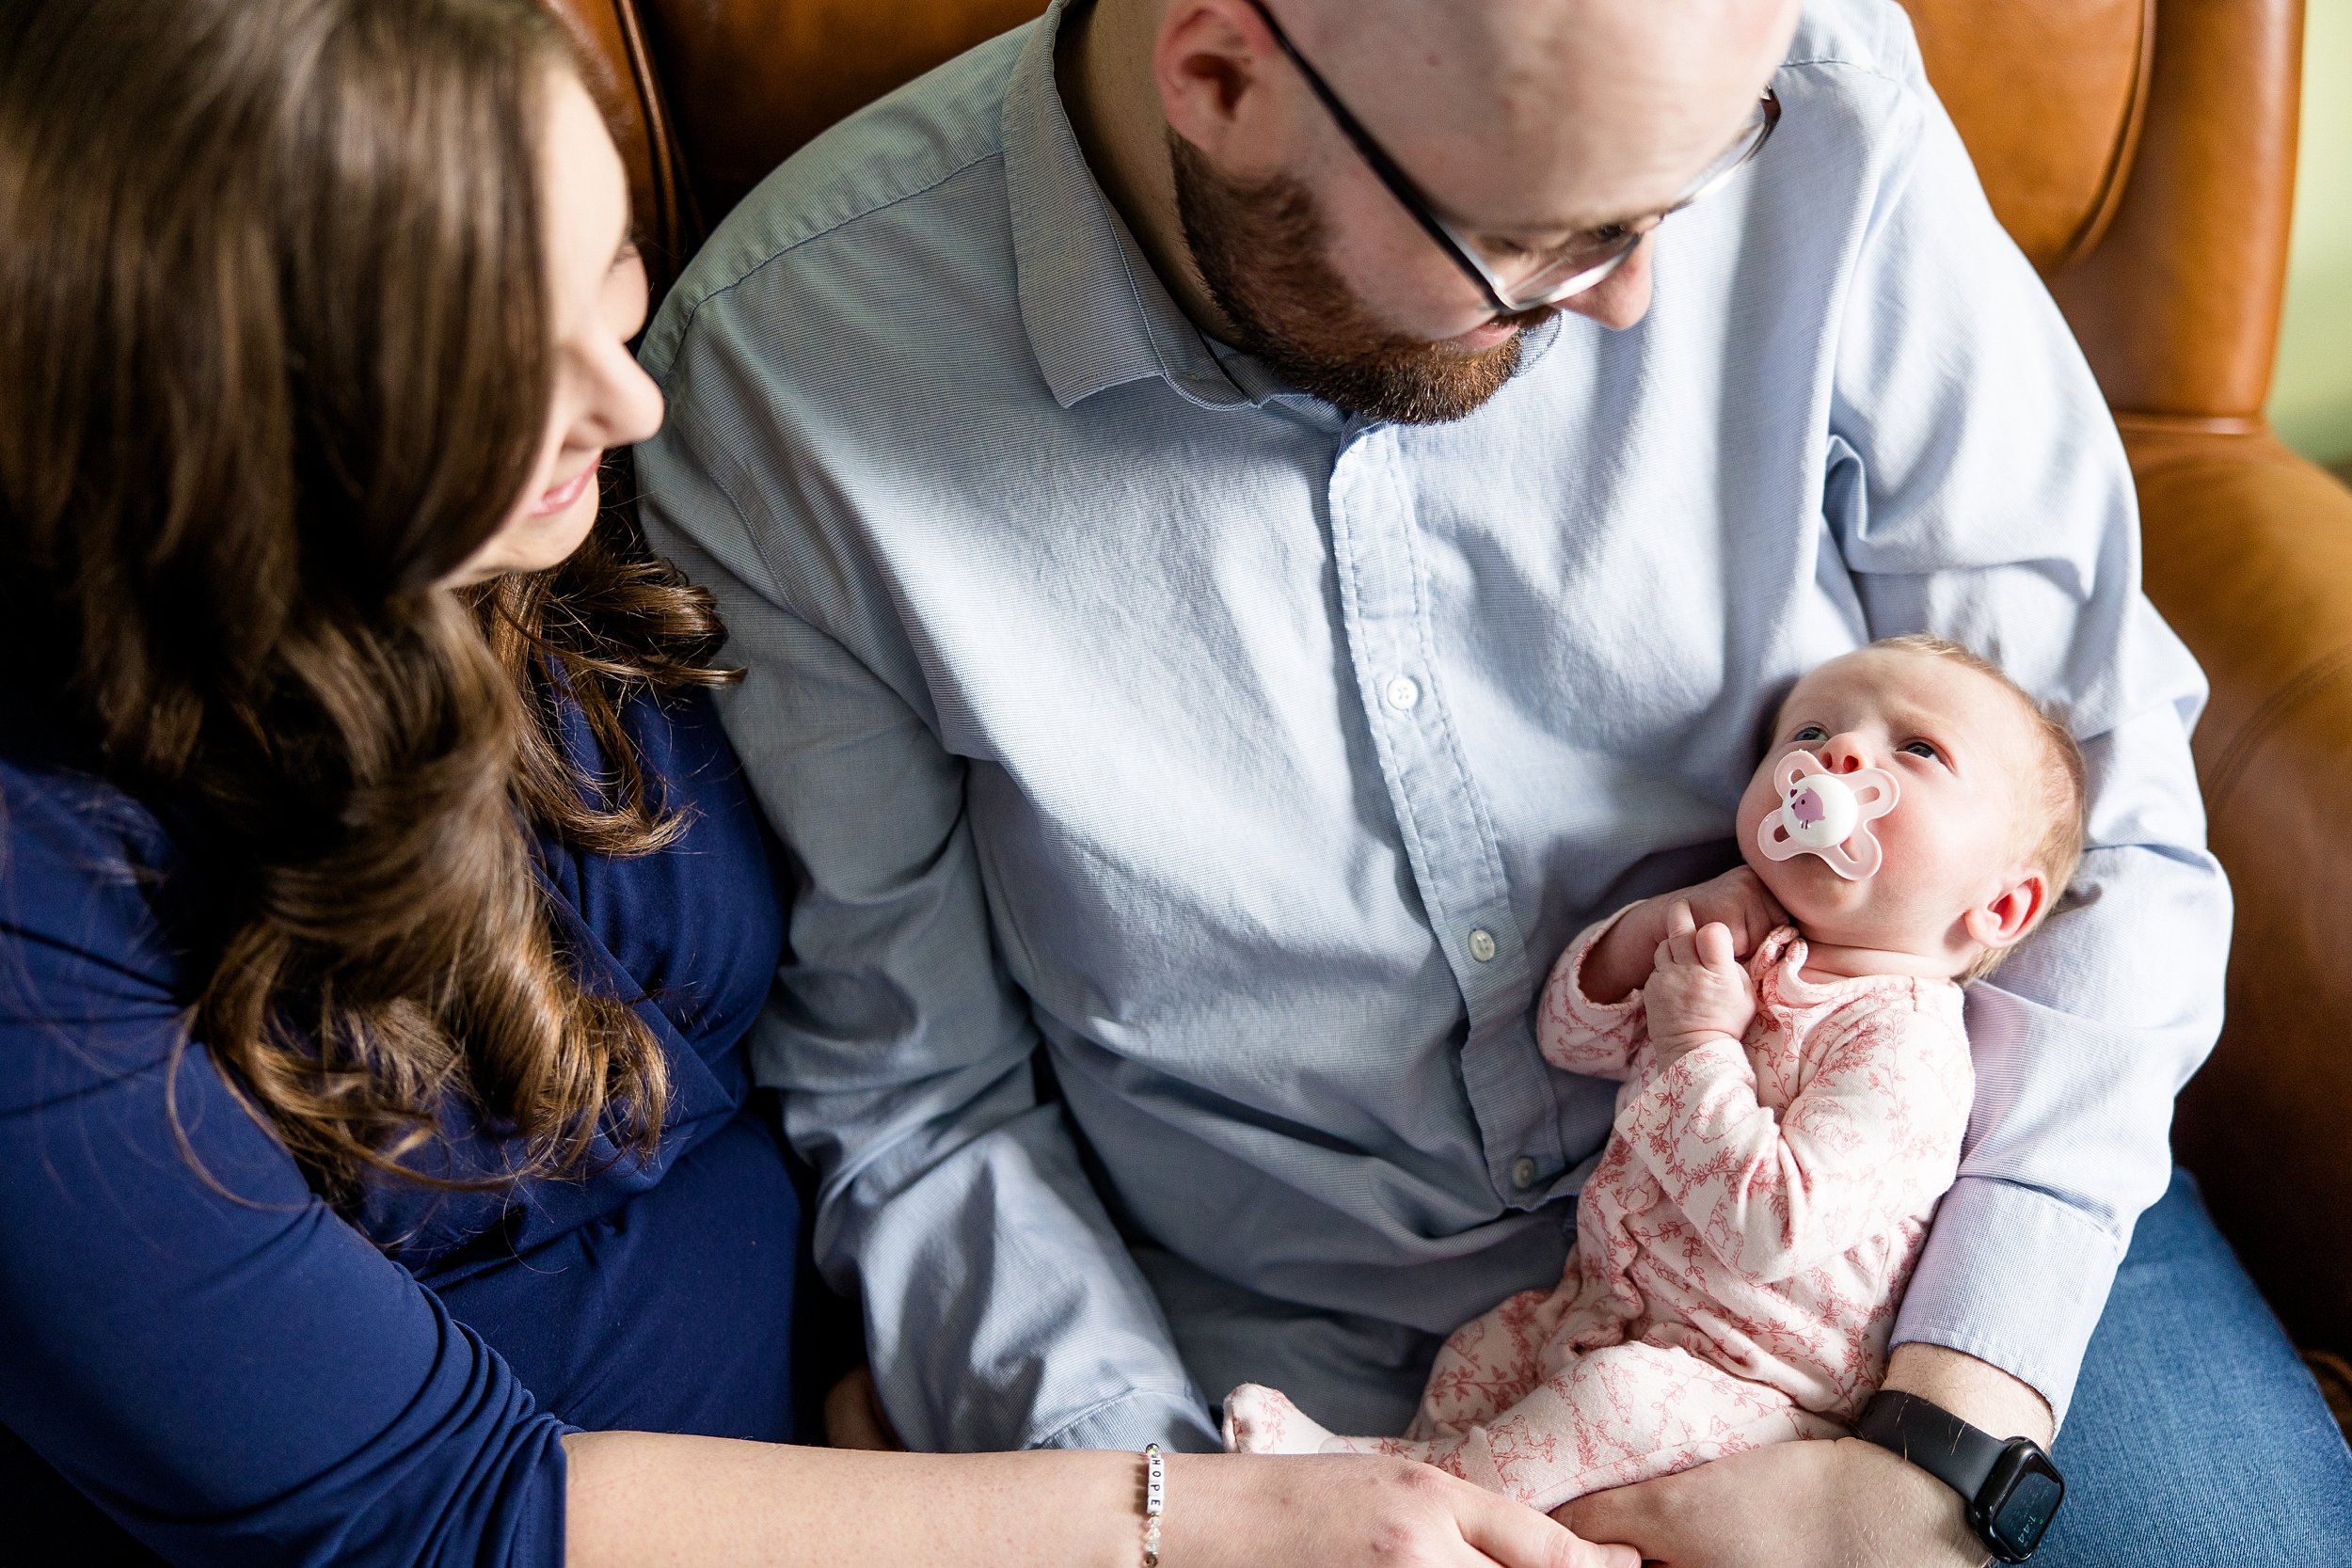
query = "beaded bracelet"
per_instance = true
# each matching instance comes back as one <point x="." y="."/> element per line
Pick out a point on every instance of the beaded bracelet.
<point x="1155" y="1497"/>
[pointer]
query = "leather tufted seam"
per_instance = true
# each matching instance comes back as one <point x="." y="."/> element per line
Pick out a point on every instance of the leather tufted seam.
<point x="2125" y="151"/>
<point x="2238" y="755"/>
<point x="2145" y="468"/>
<point x="681" y="220"/>
<point x="2138" y="422"/>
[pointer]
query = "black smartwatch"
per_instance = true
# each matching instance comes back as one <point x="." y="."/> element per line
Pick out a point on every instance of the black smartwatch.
<point x="2010" y="1488"/>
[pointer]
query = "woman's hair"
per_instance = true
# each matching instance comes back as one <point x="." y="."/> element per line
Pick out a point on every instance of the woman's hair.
<point x="273" y="319"/>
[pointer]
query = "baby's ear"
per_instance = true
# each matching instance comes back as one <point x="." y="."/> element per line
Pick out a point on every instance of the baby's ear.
<point x="2002" y="921"/>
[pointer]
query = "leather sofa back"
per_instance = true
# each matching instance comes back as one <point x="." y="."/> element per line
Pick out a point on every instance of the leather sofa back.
<point x="2178" y="305"/>
<point x="2140" y="152"/>
<point x="707" y="96"/>
<point x="2051" y="97"/>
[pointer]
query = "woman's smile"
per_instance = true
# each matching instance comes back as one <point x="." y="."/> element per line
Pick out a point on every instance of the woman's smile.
<point x="563" y="496"/>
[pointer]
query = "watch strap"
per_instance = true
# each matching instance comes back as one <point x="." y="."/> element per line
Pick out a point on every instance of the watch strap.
<point x="1959" y="1455"/>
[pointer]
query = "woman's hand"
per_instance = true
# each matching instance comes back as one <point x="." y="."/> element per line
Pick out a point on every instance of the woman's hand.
<point x="1245" y="1510"/>
<point x="1621" y="961"/>
<point x="638" y="1500"/>
<point x="1347" y="1510"/>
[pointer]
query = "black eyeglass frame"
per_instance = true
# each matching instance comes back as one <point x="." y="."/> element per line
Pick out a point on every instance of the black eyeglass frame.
<point x="1410" y="196"/>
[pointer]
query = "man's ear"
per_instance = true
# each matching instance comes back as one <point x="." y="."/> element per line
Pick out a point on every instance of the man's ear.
<point x="1212" y="61"/>
<point x="2002" y="921"/>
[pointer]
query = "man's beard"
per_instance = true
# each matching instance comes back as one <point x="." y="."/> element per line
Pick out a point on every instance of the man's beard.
<point x="1260" y="250"/>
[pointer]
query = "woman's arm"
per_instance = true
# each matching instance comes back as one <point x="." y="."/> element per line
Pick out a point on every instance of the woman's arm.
<point x="239" y="1377"/>
<point x="641" y="1500"/>
<point x="195" y="1341"/>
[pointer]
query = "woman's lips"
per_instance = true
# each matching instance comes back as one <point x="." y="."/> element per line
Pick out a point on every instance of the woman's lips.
<point x="564" y="494"/>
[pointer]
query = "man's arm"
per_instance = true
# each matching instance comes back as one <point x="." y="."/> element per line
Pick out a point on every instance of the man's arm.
<point x="1977" y="489"/>
<point x="1848" y="1504"/>
<point x="1002" y="1310"/>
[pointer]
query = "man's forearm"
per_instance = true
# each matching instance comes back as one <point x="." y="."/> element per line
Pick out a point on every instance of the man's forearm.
<point x="1976" y="1391"/>
<point x="2079" y="1047"/>
<point x="1848" y="1504"/>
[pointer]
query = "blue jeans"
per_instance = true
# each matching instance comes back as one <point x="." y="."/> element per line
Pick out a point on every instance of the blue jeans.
<point x="2197" y="1438"/>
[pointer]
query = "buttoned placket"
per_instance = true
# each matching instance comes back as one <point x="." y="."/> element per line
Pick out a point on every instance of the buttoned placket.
<point x="1449" y="836"/>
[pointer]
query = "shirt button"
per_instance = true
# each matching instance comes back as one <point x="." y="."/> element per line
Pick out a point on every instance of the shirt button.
<point x="1523" y="1172"/>
<point x="1403" y="693"/>
<point x="1482" y="946"/>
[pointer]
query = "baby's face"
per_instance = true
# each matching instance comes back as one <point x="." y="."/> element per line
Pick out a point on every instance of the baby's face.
<point x="1964" y="750"/>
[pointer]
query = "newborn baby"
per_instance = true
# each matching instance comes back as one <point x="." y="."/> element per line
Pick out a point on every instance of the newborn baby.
<point x="1787" y="1125"/>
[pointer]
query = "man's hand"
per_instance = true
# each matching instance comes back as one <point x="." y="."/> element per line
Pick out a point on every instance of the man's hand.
<point x="1624" y="957"/>
<point x="1697" y="991"/>
<point x="1843" y="1504"/>
<point x="1848" y="1504"/>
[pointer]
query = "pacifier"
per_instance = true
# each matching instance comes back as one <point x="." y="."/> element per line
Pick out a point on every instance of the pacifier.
<point x="1824" y="813"/>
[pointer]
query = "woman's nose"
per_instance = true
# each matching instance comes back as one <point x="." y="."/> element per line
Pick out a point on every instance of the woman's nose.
<point x="629" y="404"/>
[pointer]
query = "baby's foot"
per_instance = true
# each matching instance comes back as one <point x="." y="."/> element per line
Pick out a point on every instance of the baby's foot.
<point x="1259" y="1420"/>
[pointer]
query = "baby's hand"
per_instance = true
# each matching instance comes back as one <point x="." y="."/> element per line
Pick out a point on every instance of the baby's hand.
<point x="1697" y="992"/>
<point x="1622" y="959"/>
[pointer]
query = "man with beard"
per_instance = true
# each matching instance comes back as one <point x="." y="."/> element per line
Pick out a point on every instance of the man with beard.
<point x="1248" y="523"/>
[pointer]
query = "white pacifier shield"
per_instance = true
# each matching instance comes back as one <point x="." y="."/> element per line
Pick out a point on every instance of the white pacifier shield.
<point x="1827" y="814"/>
<point x="1821" y="812"/>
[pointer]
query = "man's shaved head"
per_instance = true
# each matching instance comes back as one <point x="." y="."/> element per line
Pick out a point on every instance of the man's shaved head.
<point x="1499" y="106"/>
<point x="1525" y="124"/>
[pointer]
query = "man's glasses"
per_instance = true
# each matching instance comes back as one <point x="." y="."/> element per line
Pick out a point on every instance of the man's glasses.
<point x="1527" y="280"/>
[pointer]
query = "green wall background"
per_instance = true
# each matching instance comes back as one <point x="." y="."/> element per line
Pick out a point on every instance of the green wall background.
<point x="2311" y="395"/>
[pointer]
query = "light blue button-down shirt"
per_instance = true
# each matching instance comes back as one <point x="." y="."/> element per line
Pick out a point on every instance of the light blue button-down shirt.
<point x="1189" y="786"/>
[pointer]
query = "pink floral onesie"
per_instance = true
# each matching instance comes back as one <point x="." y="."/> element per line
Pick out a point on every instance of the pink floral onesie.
<point x="1740" y="1247"/>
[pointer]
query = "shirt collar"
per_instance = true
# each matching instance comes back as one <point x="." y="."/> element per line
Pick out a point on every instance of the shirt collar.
<point x="1098" y="316"/>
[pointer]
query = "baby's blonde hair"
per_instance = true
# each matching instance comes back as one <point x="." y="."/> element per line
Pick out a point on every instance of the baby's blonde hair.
<point x="2057" y="852"/>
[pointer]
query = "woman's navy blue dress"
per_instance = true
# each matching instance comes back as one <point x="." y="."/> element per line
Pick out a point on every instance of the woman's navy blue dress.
<point x="233" y="1374"/>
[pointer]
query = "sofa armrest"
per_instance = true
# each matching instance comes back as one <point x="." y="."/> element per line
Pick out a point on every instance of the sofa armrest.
<point x="2249" y="558"/>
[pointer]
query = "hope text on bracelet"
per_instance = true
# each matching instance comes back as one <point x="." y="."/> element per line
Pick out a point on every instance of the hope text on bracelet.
<point x="1154" y="1496"/>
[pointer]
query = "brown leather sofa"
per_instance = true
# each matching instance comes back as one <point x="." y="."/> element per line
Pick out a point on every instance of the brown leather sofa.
<point x="2142" y="153"/>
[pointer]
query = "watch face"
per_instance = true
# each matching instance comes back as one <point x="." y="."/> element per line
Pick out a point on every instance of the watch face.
<point x="2020" y="1498"/>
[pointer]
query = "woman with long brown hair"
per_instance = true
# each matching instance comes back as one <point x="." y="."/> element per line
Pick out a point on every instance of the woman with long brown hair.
<point x="381" y="913"/>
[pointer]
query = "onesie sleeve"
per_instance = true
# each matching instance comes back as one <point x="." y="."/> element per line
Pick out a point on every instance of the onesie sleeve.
<point x="1873" y="1137"/>
<point x="194" y="1340"/>
<point x="1578" y="1034"/>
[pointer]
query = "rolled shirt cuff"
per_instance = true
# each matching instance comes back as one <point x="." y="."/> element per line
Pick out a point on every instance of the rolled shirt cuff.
<point x="2013" y="1278"/>
<point x="1175" y="1421"/>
